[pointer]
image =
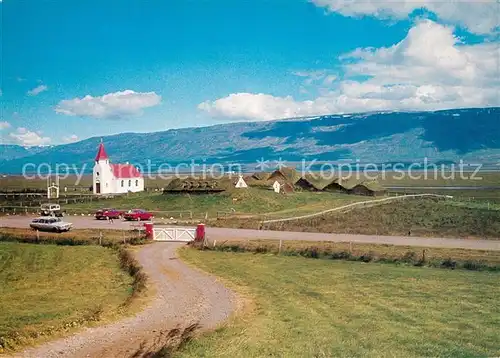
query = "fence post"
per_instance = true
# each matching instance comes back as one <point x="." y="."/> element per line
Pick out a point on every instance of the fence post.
<point x="37" y="236"/>
<point x="350" y="247"/>
<point x="100" y="237"/>
<point x="215" y="241"/>
<point x="281" y="244"/>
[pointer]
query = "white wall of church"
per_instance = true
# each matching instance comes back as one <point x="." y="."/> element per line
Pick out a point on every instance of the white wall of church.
<point x="125" y="185"/>
<point x="103" y="176"/>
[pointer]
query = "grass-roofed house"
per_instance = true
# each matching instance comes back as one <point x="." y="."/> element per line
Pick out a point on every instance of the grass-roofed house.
<point x="311" y="182"/>
<point x="368" y="188"/>
<point x="194" y="186"/>
<point x="334" y="185"/>
<point x="262" y="176"/>
<point x="356" y="186"/>
<point x="285" y="174"/>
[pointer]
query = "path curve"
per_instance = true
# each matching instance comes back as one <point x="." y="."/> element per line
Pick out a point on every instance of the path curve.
<point x="183" y="296"/>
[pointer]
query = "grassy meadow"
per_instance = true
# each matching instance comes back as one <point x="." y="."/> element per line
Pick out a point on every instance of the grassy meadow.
<point x="47" y="289"/>
<point x="251" y="201"/>
<point x="297" y="307"/>
<point x="420" y="217"/>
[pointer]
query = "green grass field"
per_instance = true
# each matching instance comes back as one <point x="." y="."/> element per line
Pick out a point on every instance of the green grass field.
<point x="251" y="201"/>
<point x="423" y="217"/>
<point x="48" y="289"/>
<point x="316" y="308"/>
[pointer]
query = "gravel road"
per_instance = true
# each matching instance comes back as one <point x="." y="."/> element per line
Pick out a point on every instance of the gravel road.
<point x="228" y="234"/>
<point x="183" y="296"/>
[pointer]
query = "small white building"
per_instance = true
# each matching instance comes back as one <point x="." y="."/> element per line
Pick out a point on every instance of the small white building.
<point x="241" y="183"/>
<point x="276" y="187"/>
<point x="115" y="178"/>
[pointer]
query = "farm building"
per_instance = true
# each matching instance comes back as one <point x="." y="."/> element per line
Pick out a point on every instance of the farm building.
<point x="334" y="186"/>
<point x="280" y="186"/>
<point x="240" y="184"/>
<point x="110" y="178"/>
<point x="285" y="174"/>
<point x="193" y="186"/>
<point x="306" y="185"/>
<point x="372" y="188"/>
<point x="261" y="176"/>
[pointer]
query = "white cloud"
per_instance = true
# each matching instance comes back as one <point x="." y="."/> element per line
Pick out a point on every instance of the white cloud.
<point x="37" y="90"/>
<point x="329" y="80"/>
<point x="4" y="125"/>
<point x="25" y="137"/>
<point x="110" y="105"/>
<point x="316" y="75"/>
<point x="257" y="106"/>
<point x="478" y="16"/>
<point x="430" y="69"/>
<point x="70" y="139"/>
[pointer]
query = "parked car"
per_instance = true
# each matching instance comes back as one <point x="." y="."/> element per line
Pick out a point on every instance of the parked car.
<point x="51" y="210"/>
<point x="137" y="215"/>
<point x="108" y="214"/>
<point x="50" y="223"/>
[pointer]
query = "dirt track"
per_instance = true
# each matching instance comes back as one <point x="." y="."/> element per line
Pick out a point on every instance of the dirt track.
<point x="183" y="296"/>
<point x="228" y="234"/>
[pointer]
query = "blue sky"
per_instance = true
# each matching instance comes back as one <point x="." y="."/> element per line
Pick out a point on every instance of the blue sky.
<point x="72" y="70"/>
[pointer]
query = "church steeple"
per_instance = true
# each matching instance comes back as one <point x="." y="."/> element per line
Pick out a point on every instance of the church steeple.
<point x="101" y="153"/>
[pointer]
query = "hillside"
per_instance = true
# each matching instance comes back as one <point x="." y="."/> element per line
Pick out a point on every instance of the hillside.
<point x="443" y="136"/>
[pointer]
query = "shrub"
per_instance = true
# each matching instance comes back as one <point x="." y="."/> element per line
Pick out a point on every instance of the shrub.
<point x="342" y="255"/>
<point x="449" y="263"/>
<point x="409" y="257"/>
<point x="129" y="264"/>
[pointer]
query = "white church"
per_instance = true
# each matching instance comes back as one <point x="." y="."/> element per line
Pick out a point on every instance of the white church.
<point x="115" y="178"/>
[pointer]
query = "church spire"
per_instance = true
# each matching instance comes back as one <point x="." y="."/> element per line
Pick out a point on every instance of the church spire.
<point x="101" y="153"/>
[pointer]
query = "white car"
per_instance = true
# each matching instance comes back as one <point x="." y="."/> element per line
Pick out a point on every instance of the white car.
<point x="50" y="223"/>
<point x="51" y="210"/>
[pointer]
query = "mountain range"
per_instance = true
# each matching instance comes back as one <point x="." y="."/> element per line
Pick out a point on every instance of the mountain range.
<point x="448" y="136"/>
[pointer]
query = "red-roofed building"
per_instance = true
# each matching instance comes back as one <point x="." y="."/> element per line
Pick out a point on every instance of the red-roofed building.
<point x="115" y="178"/>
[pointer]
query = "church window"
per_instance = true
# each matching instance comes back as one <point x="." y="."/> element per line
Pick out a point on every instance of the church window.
<point x="137" y="183"/>
<point x="130" y="183"/>
<point x="97" y="173"/>
<point x="123" y="183"/>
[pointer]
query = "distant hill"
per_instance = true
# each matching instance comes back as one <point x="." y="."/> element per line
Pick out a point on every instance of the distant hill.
<point x="10" y="151"/>
<point x="442" y="136"/>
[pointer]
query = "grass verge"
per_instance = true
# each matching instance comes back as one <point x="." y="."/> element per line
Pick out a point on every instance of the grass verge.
<point x="325" y="308"/>
<point x="56" y="284"/>
<point x="474" y="260"/>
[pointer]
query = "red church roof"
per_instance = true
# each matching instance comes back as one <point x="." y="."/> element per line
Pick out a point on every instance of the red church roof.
<point x="101" y="153"/>
<point x="125" y="171"/>
<point x="120" y="171"/>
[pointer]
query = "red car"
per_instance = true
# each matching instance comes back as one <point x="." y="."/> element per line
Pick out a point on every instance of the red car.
<point x="137" y="215"/>
<point x="108" y="214"/>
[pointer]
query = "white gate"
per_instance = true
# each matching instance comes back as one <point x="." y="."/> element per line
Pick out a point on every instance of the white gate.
<point x="174" y="234"/>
